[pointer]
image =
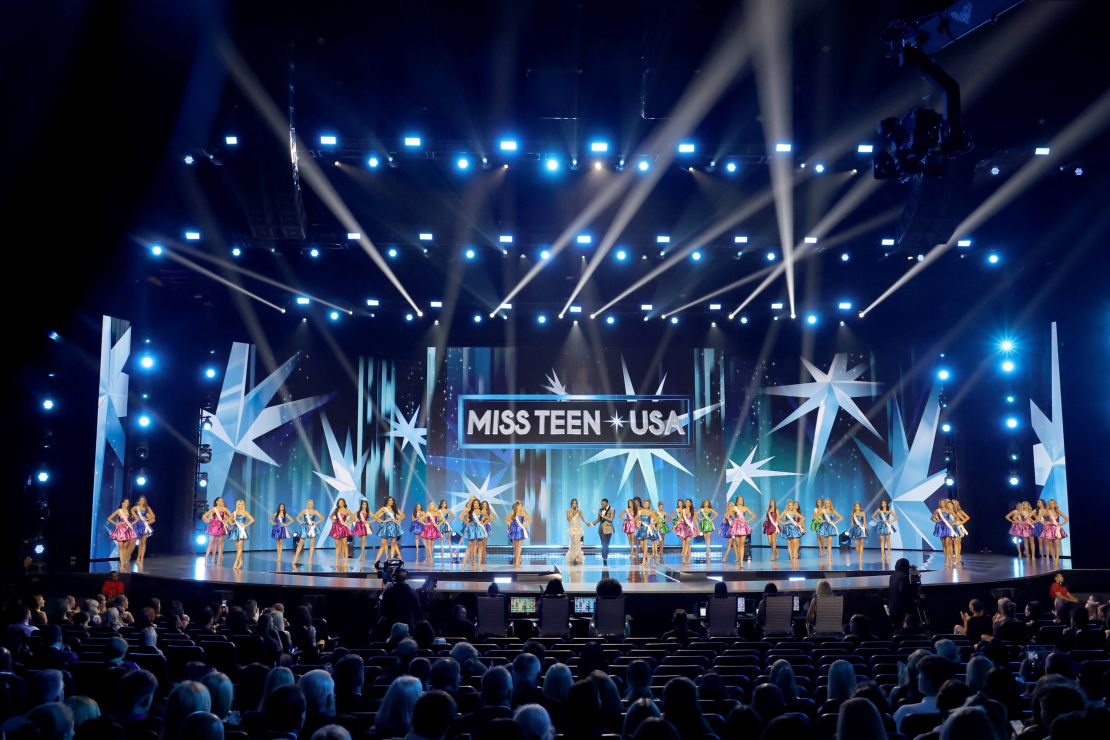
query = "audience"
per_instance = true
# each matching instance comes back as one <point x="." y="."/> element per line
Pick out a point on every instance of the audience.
<point x="932" y="672"/>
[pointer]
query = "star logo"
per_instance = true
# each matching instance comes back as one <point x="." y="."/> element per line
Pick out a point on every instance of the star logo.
<point x="481" y="492"/>
<point x="616" y="421"/>
<point x="554" y="385"/>
<point x="748" y="471"/>
<point x="346" y="477"/>
<point x="409" y="433"/>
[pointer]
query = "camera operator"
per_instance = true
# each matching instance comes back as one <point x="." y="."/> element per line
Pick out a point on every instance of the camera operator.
<point x="399" y="602"/>
<point x="903" y="592"/>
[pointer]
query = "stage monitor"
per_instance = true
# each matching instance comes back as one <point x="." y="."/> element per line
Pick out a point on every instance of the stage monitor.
<point x="584" y="605"/>
<point x="741" y="605"/>
<point x="522" y="605"/>
<point x="797" y="603"/>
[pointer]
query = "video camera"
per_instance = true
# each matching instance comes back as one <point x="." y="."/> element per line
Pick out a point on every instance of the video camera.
<point x="388" y="570"/>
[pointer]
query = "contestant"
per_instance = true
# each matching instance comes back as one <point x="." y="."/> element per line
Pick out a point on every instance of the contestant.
<point x="684" y="527"/>
<point x="390" y="518"/>
<point x="362" y="527"/>
<point x="122" y="532"/>
<point x="574" y="531"/>
<point x="771" y="527"/>
<point x="143" y="517"/>
<point x="217" y="519"/>
<point x="474" y="532"/>
<point x="1014" y="518"/>
<point x="741" y="526"/>
<point x="1054" y="530"/>
<point x="604" y="521"/>
<point x="518" y="521"/>
<point x="884" y="524"/>
<point x="646" y="533"/>
<point x="959" y="519"/>
<point x="489" y="516"/>
<point x="1039" y="519"/>
<point x="279" y="529"/>
<point x="445" y="517"/>
<point x="309" y="521"/>
<point x="430" y="533"/>
<point x="416" y="528"/>
<point x="830" y="518"/>
<point x="664" y="529"/>
<point x="706" y="515"/>
<point x="857" y="530"/>
<point x="816" y="522"/>
<point x="1025" y="527"/>
<point x="239" y="533"/>
<point x="628" y="526"/>
<point x="340" y="531"/>
<point x="793" y="526"/>
<point x="724" y="530"/>
<point x="942" y="530"/>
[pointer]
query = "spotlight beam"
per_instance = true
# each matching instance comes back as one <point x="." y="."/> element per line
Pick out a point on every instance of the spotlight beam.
<point x="1090" y="122"/>
<point x="720" y="291"/>
<point x="726" y="62"/>
<point x="173" y="255"/>
<point x="769" y="24"/>
<point x="228" y="265"/>
<point x="309" y="169"/>
<point x="749" y="208"/>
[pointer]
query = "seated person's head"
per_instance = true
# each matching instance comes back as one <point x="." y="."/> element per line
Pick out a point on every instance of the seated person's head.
<point x="932" y="672"/>
<point x="46" y="687"/>
<point x="349" y="674"/>
<point x="285" y="709"/>
<point x="445" y="675"/>
<point x="526" y="669"/>
<point x="952" y="695"/>
<point x="432" y="715"/>
<point x="497" y="687"/>
<point x="135" y="693"/>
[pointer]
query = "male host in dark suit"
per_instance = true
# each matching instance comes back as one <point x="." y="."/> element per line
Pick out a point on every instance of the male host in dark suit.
<point x="605" y="516"/>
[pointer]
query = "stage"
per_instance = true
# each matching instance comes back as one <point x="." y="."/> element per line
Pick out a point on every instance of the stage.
<point x="669" y="577"/>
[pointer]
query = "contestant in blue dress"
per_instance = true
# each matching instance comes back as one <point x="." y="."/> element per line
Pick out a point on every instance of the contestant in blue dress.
<point x="239" y="532"/>
<point x="884" y="519"/>
<point x="279" y="529"/>
<point x="474" y="532"/>
<point x="143" y="517"/>
<point x="858" y="529"/>
<point x="309" y="521"/>
<point x="518" y="521"/>
<point x="390" y="518"/>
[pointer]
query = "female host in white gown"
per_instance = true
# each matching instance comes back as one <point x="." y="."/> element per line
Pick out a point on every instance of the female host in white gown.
<point x="574" y="531"/>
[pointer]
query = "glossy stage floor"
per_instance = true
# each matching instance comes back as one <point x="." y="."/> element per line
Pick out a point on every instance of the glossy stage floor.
<point x="667" y="577"/>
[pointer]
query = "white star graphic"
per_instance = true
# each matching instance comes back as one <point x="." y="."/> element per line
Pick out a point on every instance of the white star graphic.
<point x="906" y="478"/>
<point x="482" y="493"/>
<point x="748" y="471"/>
<point x="1048" y="453"/>
<point x="554" y="385"/>
<point x="616" y="421"/>
<point x="346" y="475"/>
<point x="831" y="391"/>
<point x="644" y="458"/>
<point x="409" y="433"/>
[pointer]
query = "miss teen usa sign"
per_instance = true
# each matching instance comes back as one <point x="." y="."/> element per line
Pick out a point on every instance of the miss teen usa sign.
<point x="534" y="422"/>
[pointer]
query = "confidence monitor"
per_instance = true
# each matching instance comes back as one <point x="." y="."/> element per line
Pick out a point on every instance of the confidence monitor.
<point x="522" y="606"/>
<point x="584" y="606"/>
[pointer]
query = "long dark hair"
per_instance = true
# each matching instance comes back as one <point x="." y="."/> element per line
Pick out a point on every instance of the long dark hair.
<point x="335" y="511"/>
<point x="364" y="506"/>
<point x="470" y="510"/>
<point x="281" y="512"/>
<point x="391" y="503"/>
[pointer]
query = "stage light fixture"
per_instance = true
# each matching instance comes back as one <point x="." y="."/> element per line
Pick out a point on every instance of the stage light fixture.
<point x="146" y="362"/>
<point x="140" y="480"/>
<point x="599" y="147"/>
<point x="946" y="427"/>
<point x="776" y="306"/>
<point x="424" y="236"/>
<point x="210" y="372"/>
<point x="714" y="306"/>
<point x="409" y="316"/>
<point x="463" y="163"/>
<point x="1014" y="480"/>
<point x="1011" y="422"/>
<point x="811" y="240"/>
<point x="329" y="140"/>
<point x="470" y="253"/>
<point x="156" y="250"/>
<point x="598" y="165"/>
<point x="995" y="171"/>
<point x="373" y="302"/>
<point x="192" y="236"/>
<point x="819" y="168"/>
<point x="201" y="539"/>
<point x="695" y="255"/>
<point x="541" y="319"/>
<point x="505" y="239"/>
<point x="964" y="243"/>
<point x="621" y="255"/>
<point x="887" y="242"/>
<point x="545" y="254"/>
<point x="1042" y="151"/>
<point x="552" y="164"/>
<point x="508" y="145"/>
<point x="1078" y="171"/>
<point x="743" y="319"/>
<point x="865" y="148"/>
<point x="48" y="404"/>
<point x="303" y="300"/>
<point x="949" y="482"/>
<point x="412" y="141"/>
<point x="236" y="252"/>
<point x="662" y="239"/>
<point x="771" y="256"/>
<point x="575" y="309"/>
<point x="231" y="140"/>
<point x="392" y="253"/>
<point x="943" y="374"/>
<point x="844" y="306"/>
<point x="686" y="147"/>
<point x="739" y="240"/>
<point x="477" y="318"/>
<point x="1006" y="345"/>
<point x="373" y="162"/>
<point x="584" y="239"/>
<point x="811" y="319"/>
<point x="314" y="253"/>
<point x="43" y="476"/>
<point x="610" y="320"/>
<point x="189" y="159"/>
<point x="1010" y="399"/>
<point x="334" y="316"/>
<point x="674" y="320"/>
<point x="643" y="165"/>
<point x="784" y="147"/>
<point x="353" y="236"/>
<point x="39" y="548"/>
<point x="646" y="307"/>
<point x="993" y="259"/>
<point x="730" y="167"/>
<point x="435" y="304"/>
<point x="1008" y="366"/>
<point x="845" y="257"/>
<point x="144" y="421"/>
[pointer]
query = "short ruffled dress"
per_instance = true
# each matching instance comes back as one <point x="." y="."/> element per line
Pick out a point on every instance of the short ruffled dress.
<point x="856" y="532"/>
<point x="362" y="526"/>
<point x="942" y="530"/>
<point x="310" y="530"/>
<point x="475" y="531"/>
<point x="768" y="527"/>
<point x="416" y="527"/>
<point x="216" y="526"/>
<point x="142" y="529"/>
<point x="882" y="526"/>
<point x="683" y="529"/>
<point x="1039" y="528"/>
<point x="123" y="533"/>
<point x="645" y="531"/>
<point x="705" y="524"/>
<point x="239" y="532"/>
<point x="790" y="530"/>
<point x="815" y="525"/>
<point x="339" y="530"/>
<point x="1021" y="529"/>
<point x="1053" y="531"/>
<point x="430" y="531"/>
<point x="516" y="530"/>
<point x="389" y="530"/>
<point x="724" y="529"/>
<point x="279" y="530"/>
<point x="740" y="528"/>
<point x="826" y="529"/>
<point x="628" y="526"/>
<point x="663" y="528"/>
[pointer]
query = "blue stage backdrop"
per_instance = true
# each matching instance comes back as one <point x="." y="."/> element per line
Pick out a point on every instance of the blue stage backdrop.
<point x="843" y="427"/>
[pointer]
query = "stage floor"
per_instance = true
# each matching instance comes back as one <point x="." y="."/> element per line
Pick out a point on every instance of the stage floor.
<point x="667" y="577"/>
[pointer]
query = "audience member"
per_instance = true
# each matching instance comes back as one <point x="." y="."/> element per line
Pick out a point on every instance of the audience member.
<point x="394" y="716"/>
<point x="859" y="719"/>
<point x="932" y="672"/>
<point x="975" y="622"/>
<point x="534" y="722"/>
<point x="431" y="716"/>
